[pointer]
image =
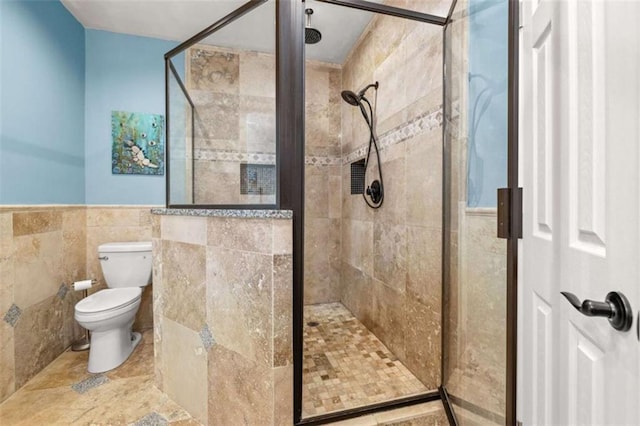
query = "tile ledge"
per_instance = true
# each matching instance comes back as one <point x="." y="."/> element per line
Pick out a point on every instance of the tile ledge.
<point x="234" y="213"/>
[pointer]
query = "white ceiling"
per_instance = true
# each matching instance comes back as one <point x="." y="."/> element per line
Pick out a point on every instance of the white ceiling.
<point x="178" y="20"/>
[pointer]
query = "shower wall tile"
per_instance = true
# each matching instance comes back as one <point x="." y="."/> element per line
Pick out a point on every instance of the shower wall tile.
<point x="424" y="260"/>
<point x="423" y="56"/>
<point x="322" y="260"/>
<point x="214" y="70"/>
<point x="317" y="192"/>
<point x="185" y="368"/>
<point x="386" y="34"/>
<point x="355" y="292"/>
<point x="387" y="314"/>
<point x="317" y="88"/>
<point x="424" y="206"/>
<point x="422" y="340"/>
<point x="248" y="299"/>
<point x="392" y="75"/>
<point x="257" y="125"/>
<point x="335" y="193"/>
<point x="217" y="115"/>
<point x="357" y="244"/>
<point x="217" y="182"/>
<point x="397" y="191"/>
<point x="391" y="256"/>
<point x="335" y="103"/>
<point x="183" y="284"/>
<point x="257" y="74"/>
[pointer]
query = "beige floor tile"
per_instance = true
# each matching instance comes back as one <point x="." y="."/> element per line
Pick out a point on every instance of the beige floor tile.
<point x="125" y="395"/>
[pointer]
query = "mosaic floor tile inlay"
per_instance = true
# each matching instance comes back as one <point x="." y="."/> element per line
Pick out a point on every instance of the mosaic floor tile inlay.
<point x="346" y="366"/>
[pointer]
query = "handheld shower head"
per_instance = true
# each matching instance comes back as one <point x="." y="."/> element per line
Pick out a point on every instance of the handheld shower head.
<point x="354" y="99"/>
<point x="350" y="97"/>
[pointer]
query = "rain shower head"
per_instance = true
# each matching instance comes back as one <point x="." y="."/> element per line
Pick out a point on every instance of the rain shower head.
<point x="354" y="99"/>
<point x="311" y="35"/>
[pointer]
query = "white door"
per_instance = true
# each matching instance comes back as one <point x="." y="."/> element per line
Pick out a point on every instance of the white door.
<point x="579" y="123"/>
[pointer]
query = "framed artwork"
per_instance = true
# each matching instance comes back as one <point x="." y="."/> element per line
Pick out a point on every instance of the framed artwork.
<point x="137" y="143"/>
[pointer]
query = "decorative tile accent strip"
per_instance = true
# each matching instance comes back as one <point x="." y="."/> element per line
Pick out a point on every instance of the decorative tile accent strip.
<point x="234" y="156"/>
<point x="244" y="214"/>
<point x="12" y="315"/>
<point x="62" y="291"/>
<point x="314" y="160"/>
<point x="207" y="338"/>
<point x="261" y="157"/>
<point x="89" y="383"/>
<point x="152" y="419"/>
<point x="420" y="124"/>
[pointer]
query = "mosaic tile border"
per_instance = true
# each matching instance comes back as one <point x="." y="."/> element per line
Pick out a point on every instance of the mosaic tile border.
<point x="418" y="125"/>
<point x="241" y="157"/>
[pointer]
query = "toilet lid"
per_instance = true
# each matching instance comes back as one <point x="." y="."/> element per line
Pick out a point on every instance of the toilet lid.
<point x="108" y="299"/>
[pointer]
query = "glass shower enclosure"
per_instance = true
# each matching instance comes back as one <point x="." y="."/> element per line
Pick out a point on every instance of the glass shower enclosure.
<point x="236" y="139"/>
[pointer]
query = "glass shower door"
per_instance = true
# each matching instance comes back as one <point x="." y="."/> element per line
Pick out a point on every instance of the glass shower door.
<point x="476" y="165"/>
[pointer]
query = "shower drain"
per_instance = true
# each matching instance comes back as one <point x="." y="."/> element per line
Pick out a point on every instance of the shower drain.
<point x="313" y="323"/>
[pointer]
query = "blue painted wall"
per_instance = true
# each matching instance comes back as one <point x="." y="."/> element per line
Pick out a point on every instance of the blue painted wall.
<point x="123" y="73"/>
<point x="42" y="104"/>
<point x="487" y="108"/>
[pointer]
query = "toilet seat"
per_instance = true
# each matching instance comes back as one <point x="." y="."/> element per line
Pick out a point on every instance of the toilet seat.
<point x="108" y="303"/>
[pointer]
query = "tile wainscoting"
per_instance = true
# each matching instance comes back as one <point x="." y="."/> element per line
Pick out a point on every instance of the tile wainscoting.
<point x="43" y="250"/>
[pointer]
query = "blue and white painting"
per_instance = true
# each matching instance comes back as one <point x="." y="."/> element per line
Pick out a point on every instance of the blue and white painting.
<point x="138" y="143"/>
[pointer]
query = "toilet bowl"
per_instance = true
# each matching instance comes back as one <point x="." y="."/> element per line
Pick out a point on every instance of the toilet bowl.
<point x="109" y="313"/>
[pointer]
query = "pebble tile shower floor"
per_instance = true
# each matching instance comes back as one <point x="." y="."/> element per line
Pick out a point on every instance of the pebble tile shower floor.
<point x="346" y="366"/>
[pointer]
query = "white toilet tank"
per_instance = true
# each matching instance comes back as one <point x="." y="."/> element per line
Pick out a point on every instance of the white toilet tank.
<point x="126" y="264"/>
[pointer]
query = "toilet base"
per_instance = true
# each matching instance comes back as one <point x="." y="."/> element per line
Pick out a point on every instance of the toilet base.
<point x="110" y="348"/>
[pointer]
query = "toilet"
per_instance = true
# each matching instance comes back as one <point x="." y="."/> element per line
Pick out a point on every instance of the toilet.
<point x="109" y="313"/>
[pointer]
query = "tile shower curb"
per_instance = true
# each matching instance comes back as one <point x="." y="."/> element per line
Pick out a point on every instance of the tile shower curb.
<point x="244" y="214"/>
